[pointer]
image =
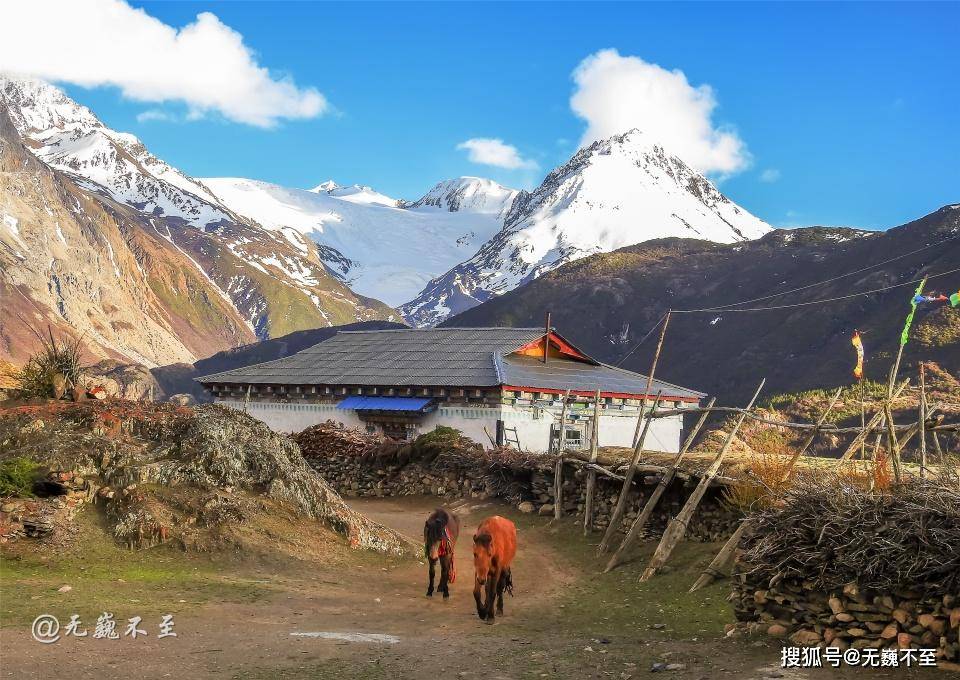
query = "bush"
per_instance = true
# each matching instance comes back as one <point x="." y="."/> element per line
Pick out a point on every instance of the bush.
<point x="17" y="476"/>
<point x="36" y="378"/>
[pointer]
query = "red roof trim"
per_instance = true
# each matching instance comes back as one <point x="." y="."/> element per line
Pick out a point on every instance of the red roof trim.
<point x="590" y="393"/>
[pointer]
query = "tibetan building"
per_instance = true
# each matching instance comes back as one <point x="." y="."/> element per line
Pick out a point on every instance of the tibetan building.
<point x="496" y="385"/>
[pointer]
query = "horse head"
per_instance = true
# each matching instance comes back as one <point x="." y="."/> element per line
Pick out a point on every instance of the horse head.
<point x="483" y="556"/>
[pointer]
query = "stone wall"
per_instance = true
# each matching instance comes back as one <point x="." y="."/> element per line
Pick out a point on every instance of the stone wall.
<point x="851" y="617"/>
<point x="355" y="474"/>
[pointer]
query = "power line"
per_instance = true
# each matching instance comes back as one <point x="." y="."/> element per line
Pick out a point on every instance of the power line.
<point x="814" y="302"/>
<point x="725" y="308"/>
<point x="841" y="276"/>
<point x="642" y="340"/>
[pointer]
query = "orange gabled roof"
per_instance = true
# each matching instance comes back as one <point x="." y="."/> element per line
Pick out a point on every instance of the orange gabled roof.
<point x="558" y="345"/>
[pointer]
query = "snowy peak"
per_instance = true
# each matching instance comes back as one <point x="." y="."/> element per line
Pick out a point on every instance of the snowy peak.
<point x="325" y="187"/>
<point x="617" y="192"/>
<point x="355" y="193"/>
<point x="69" y="137"/>
<point x="468" y="194"/>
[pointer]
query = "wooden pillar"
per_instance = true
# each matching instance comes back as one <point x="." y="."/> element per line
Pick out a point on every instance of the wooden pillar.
<point x="558" y="467"/>
<point x="592" y="474"/>
<point x="627" y="481"/>
<point x="677" y="526"/>
<point x="665" y="480"/>
<point x="921" y="421"/>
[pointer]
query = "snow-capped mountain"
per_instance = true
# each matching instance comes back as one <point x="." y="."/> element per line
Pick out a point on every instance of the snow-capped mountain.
<point x="380" y="246"/>
<point x="616" y="192"/>
<point x="468" y="194"/>
<point x="275" y="283"/>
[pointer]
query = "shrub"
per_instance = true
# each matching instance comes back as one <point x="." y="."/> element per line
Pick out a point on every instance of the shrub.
<point x="17" y="476"/>
<point x="36" y="378"/>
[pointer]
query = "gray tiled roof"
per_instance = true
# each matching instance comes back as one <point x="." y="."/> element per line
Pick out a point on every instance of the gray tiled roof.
<point x="437" y="357"/>
<point x="524" y="371"/>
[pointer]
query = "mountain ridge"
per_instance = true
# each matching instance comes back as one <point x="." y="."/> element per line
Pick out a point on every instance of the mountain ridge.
<point x="615" y="192"/>
<point x="607" y="302"/>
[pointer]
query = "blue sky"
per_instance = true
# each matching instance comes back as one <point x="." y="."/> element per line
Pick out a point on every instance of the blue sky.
<point x="850" y="112"/>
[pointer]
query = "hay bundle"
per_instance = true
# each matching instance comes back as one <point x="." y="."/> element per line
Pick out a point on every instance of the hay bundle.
<point x="833" y="535"/>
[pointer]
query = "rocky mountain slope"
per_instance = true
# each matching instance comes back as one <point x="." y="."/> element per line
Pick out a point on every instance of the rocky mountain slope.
<point x="606" y="303"/>
<point x="75" y="191"/>
<point x="382" y="247"/>
<point x="614" y="193"/>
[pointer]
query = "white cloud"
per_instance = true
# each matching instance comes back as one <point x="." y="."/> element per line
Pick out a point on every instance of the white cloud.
<point x="495" y="152"/>
<point x="615" y="94"/>
<point x="154" y="115"/>
<point x="204" y="64"/>
<point x="770" y="175"/>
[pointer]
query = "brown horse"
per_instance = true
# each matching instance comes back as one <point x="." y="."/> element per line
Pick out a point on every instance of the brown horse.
<point x="439" y="539"/>
<point x="494" y="546"/>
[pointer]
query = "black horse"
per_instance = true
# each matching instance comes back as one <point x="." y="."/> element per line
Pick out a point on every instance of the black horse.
<point x="439" y="540"/>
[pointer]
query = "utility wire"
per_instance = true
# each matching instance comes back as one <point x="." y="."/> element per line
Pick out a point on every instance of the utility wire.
<point x="841" y="276"/>
<point x="814" y="302"/>
<point x="643" y="339"/>
<point x="726" y="308"/>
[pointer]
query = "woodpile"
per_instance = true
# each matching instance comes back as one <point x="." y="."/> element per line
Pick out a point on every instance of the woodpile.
<point x="446" y="464"/>
<point x="841" y="567"/>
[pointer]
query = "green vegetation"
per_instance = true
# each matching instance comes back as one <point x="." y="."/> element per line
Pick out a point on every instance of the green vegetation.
<point x="55" y="367"/>
<point x="105" y="577"/>
<point x="17" y="476"/>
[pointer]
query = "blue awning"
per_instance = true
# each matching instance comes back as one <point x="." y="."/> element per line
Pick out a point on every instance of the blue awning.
<point x="358" y="403"/>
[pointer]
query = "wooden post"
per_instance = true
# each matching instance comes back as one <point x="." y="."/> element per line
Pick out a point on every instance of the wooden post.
<point x="546" y="338"/>
<point x="558" y="467"/>
<point x="874" y="422"/>
<point x="716" y="568"/>
<point x="891" y="427"/>
<point x="627" y="481"/>
<point x="677" y="526"/>
<point x="665" y="480"/>
<point x="921" y="420"/>
<point x="592" y="474"/>
<point x="813" y="435"/>
<point x="653" y="370"/>
<point x="246" y="399"/>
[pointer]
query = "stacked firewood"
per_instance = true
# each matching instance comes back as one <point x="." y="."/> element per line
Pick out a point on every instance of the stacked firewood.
<point x="847" y="568"/>
<point x="331" y="439"/>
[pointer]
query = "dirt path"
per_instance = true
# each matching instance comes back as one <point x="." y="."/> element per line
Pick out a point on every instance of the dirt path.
<point x="317" y="623"/>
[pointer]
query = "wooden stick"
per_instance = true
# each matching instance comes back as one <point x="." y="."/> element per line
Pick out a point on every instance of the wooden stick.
<point x="874" y="422"/>
<point x="813" y="435"/>
<point x="558" y="468"/>
<point x="591" y="474"/>
<point x="665" y="480"/>
<point x="716" y="567"/>
<point x="921" y="421"/>
<point x="677" y="526"/>
<point x="653" y="370"/>
<point x="891" y="430"/>
<point x="627" y="481"/>
<point x="665" y="413"/>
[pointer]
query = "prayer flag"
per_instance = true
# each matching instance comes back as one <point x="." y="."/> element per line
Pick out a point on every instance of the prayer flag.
<point x="858" y="346"/>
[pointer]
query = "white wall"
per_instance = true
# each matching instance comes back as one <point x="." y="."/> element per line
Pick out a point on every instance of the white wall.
<point x="532" y="425"/>
<point x="282" y="417"/>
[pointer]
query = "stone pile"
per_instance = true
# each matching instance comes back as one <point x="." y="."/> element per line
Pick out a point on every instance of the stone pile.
<point x="839" y="566"/>
<point x="357" y="464"/>
<point x="61" y="494"/>
<point x="851" y="617"/>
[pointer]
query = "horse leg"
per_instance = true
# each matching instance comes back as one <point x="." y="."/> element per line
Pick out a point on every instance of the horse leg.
<point x="501" y="584"/>
<point x="493" y="578"/>
<point x="476" y="598"/>
<point x="444" y="576"/>
<point x="433" y="564"/>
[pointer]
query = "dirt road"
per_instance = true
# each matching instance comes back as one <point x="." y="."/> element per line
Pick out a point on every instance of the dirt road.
<point x="366" y="616"/>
